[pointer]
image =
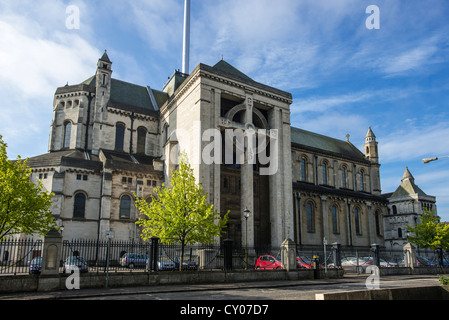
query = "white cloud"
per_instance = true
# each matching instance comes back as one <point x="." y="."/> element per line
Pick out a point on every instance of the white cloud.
<point x="320" y="103"/>
<point x="415" y="142"/>
<point x="38" y="55"/>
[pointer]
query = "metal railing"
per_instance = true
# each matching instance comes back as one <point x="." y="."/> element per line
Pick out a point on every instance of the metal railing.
<point x="16" y="255"/>
<point x="25" y="256"/>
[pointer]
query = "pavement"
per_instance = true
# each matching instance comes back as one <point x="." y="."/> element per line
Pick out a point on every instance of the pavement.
<point x="103" y="292"/>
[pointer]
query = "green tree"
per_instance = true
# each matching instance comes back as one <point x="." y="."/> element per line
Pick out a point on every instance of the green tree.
<point x="24" y="207"/>
<point x="429" y="232"/>
<point x="180" y="213"/>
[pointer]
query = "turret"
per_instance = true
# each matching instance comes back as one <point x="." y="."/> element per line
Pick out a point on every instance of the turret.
<point x="371" y="151"/>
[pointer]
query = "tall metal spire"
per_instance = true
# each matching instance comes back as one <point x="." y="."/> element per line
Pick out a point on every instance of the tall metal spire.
<point x="186" y="44"/>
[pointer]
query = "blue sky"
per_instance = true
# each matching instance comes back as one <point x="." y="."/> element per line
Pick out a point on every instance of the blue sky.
<point x="343" y="76"/>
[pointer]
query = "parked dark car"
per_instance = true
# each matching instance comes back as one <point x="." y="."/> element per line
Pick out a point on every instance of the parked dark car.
<point x="36" y="265"/>
<point x="75" y="263"/>
<point x="134" y="260"/>
<point x="186" y="264"/>
<point x="166" y="264"/>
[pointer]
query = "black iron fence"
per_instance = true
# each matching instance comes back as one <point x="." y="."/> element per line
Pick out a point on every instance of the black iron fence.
<point x="25" y="256"/>
<point x="16" y="255"/>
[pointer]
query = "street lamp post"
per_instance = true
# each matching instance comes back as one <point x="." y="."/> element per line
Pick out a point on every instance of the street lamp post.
<point x="246" y="213"/>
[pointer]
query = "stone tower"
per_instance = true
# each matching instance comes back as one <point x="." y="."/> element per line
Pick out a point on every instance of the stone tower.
<point x="372" y="154"/>
<point x="370" y="146"/>
<point x="102" y="96"/>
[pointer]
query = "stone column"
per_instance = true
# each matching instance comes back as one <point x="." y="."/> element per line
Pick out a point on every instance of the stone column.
<point x="275" y="180"/>
<point x="247" y="177"/>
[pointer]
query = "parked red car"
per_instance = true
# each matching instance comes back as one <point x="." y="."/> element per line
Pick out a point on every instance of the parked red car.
<point x="304" y="262"/>
<point x="268" y="262"/>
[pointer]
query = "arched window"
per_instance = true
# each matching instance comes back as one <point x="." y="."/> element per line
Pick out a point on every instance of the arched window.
<point x="303" y="169"/>
<point x="79" y="205"/>
<point x="399" y="233"/>
<point x="125" y="207"/>
<point x="67" y="134"/>
<point x="357" y="221"/>
<point x="334" y="219"/>
<point x="310" y="217"/>
<point x="343" y="177"/>
<point x="395" y="210"/>
<point x="377" y="218"/>
<point x="324" y="166"/>
<point x="362" y="180"/>
<point x="119" y="136"/>
<point x="141" y="139"/>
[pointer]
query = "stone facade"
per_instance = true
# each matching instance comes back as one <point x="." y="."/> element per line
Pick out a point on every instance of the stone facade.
<point x="405" y="206"/>
<point x="336" y="191"/>
<point x="110" y="140"/>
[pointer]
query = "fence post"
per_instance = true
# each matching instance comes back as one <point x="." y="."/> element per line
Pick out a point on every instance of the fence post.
<point x="288" y="255"/>
<point x="376" y="254"/>
<point x="51" y="254"/>
<point x="336" y="248"/>
<point x="154" y="253"/>
<point x="440" y="257"/>
<point x="228" y="254"/>
<point x="409" y="256"/>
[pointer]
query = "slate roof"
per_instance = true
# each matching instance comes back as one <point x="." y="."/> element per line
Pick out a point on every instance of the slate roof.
<point x="326" y="145"/>
<point x="123" y="161"/>
<point x="124" y="95"/>
<point x="132" y="97"/>
<point x="69" y="158"/>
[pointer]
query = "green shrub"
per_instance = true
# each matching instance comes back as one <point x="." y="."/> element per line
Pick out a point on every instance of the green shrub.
<point x="444" y="280"/>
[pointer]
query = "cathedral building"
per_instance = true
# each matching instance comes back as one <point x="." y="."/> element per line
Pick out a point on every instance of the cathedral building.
<point x="111" y="139"/>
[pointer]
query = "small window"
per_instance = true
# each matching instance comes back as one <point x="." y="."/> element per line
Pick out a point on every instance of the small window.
<point x="78" y="177"/>
<point x="84" y="178"/>
<point x="154" y="183"/>
<point x="130" y="180"/>
<point x="123" y="179"/>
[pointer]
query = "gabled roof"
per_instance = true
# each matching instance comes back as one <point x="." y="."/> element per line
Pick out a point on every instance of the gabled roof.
<point x="408" y="186"/>
<point x="224" y="69"/>
<point x="326" y="145"/>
